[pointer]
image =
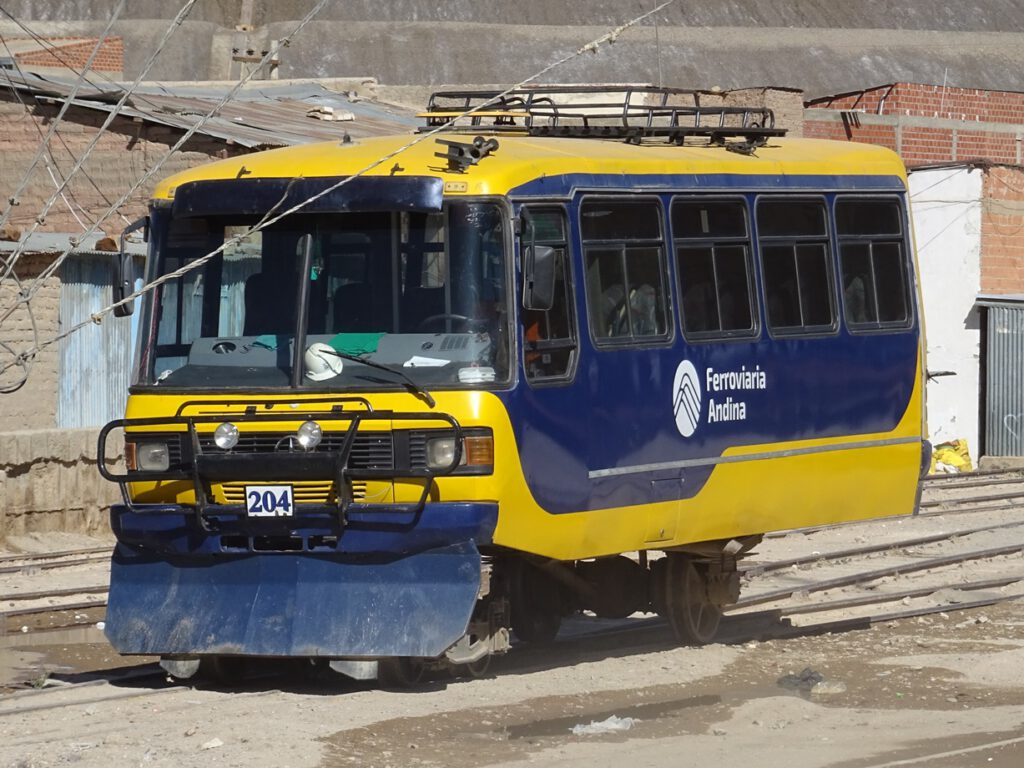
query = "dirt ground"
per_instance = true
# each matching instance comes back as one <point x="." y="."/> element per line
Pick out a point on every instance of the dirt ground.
<point x="943" y="690"/>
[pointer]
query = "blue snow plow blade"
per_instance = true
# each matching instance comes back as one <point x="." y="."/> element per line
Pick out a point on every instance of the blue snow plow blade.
<point x="284" y="604"/>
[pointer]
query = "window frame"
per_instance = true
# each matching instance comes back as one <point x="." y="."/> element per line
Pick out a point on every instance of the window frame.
<point x="902" y="239"/>
<point x="800" y="331"/>
<point x="570" y="296"/>
<point x="629" y="341"/>
<point x="748" y="239"/>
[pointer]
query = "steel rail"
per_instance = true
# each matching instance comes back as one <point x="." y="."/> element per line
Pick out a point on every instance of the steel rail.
<point x="15" y="596"/>
<point x="55" y="609"/>
<point x="888" y="597"/>
<point x="878" y="573"/>
<point x="776" y="565"/>
<point x="994" y="497"/>
<point x="51" y="566"/>
<point x="52" y="555"/>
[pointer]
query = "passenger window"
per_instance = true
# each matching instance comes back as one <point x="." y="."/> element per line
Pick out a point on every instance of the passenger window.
<point x="549" y="336"/>
<point x="625" y="262"/>
<point x="713" y="256"/>
<point x="795" y="265"/>
<point x="873" y="263"/>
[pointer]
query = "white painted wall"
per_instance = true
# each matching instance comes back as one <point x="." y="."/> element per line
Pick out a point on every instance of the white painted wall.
<point x="946" y="214"/>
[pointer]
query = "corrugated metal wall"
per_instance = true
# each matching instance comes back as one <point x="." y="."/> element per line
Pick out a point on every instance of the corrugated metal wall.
<point x="1004" y="389"/>
<point x="95" y="362"/>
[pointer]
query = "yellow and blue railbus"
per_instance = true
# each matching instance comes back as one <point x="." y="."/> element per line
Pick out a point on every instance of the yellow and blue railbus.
<point x="578" y="354"/>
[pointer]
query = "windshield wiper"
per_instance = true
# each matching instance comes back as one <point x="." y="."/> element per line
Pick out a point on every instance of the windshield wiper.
<point x="411" y="385"/>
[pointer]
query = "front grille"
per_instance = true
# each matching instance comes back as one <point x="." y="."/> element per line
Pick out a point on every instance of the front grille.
<point x="370" y="450"/>
<point x="304" y="492"/>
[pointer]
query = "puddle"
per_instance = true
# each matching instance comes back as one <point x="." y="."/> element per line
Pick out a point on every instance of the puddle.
<point x="560" y="726"/>
<point x="26" y="658"/>
<point x="484" y="735"/>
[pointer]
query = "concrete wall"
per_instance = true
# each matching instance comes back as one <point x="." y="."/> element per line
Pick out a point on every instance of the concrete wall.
<point x="992" y="15"/>
<point x="821" y="47"/>
<point x="947" y="218"/>
<point x="49" y="482"/>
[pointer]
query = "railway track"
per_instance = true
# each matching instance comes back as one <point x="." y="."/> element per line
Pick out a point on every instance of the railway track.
<point x="834" y="590"/>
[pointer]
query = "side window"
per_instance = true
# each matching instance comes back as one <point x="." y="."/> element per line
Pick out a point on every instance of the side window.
<point x="625" y="262"/>
<point x="549" y="336"/>
<point x="712" y="243"/>
<point x="872" y="258"/>
<point x="795" y="265"/>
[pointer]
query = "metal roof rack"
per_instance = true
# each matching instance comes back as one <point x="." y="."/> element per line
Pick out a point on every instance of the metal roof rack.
<point x="631" y="113"/>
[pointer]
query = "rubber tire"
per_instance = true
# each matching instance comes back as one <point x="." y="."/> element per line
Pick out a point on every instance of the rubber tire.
<point x="223" y="670"/>
<point x="536" y="614"/>
<point x="401" y="672"/>
<point x="694" y="618"/>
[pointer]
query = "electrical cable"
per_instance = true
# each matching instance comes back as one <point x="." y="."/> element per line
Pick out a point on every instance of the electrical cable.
<point x="45" y="145"/>
<point x="20" y="359"/>
<point x="55" y="51"/>
<point x="97" y="317"/>
<point x="40" y="218"/>
<point x="177" y="145"/>
<point x="49" y="159"/>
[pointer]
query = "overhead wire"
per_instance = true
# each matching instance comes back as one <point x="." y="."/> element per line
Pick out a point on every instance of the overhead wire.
<point x="55" y="51"/>
<point x="40" y="218"/>
<point x="49" y="158"/>
<point x="96" y="317"/>
<point x="52" y="129"/>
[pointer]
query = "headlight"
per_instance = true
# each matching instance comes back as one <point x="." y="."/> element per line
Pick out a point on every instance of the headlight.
<point x="441" y="452"/>
<point x="152" y="457"/>
<point x="477" y="453"/>
<point x="309" y="435"/>
<point x="225" y="436"/>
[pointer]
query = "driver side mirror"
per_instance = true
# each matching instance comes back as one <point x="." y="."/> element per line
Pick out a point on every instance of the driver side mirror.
<point x="124" y="268"/>
<point x="539" y="277"/>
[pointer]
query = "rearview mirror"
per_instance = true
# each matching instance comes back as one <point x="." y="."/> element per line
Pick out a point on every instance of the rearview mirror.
<point x="124" y="269"/>
<point x="539" y="277"/>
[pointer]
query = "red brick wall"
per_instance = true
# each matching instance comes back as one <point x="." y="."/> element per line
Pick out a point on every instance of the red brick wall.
<point x="865" y="132"/>
<point x="76" y="54"/>
<point x="1002" y="231"/>
<point x="919" y="100"/>
<point x="921" y="144"/>
<point x="124" y="152"/>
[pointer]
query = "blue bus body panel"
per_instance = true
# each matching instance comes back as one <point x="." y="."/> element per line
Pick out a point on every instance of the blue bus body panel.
<point x="602" y="439"/>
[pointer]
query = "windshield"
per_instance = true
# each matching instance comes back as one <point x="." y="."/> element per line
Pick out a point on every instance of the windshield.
<point x="389" y="293"/>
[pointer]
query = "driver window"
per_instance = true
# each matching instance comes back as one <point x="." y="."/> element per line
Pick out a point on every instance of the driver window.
<point x="549" y="336"/>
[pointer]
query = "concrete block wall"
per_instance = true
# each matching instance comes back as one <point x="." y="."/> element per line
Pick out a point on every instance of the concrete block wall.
<point x="1002" y="231"/>
<point x="50" y="482"/>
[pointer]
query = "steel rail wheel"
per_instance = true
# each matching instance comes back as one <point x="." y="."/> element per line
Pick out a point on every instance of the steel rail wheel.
<point x="692" y="614"/>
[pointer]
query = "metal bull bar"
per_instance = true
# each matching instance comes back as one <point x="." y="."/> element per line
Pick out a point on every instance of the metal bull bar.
<point x="404" y="585"/>
<point x="206" y="466"/>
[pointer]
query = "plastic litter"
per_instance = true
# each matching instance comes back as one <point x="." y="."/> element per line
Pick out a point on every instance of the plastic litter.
<point x="614" y="724"/>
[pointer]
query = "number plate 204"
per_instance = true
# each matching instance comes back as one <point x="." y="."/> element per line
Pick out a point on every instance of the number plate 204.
<point x="268" y="500"/>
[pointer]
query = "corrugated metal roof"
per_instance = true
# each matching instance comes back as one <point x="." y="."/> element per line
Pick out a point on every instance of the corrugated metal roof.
<point x="57" y="242"/>
<point x="263" y="115"/>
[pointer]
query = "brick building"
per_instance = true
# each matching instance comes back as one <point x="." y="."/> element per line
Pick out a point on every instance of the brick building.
<point x="59" y="55"/>
<point x="963" y="149"/>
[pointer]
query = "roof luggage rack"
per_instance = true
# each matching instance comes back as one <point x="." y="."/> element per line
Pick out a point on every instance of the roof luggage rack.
<point x="633" y="113"/>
